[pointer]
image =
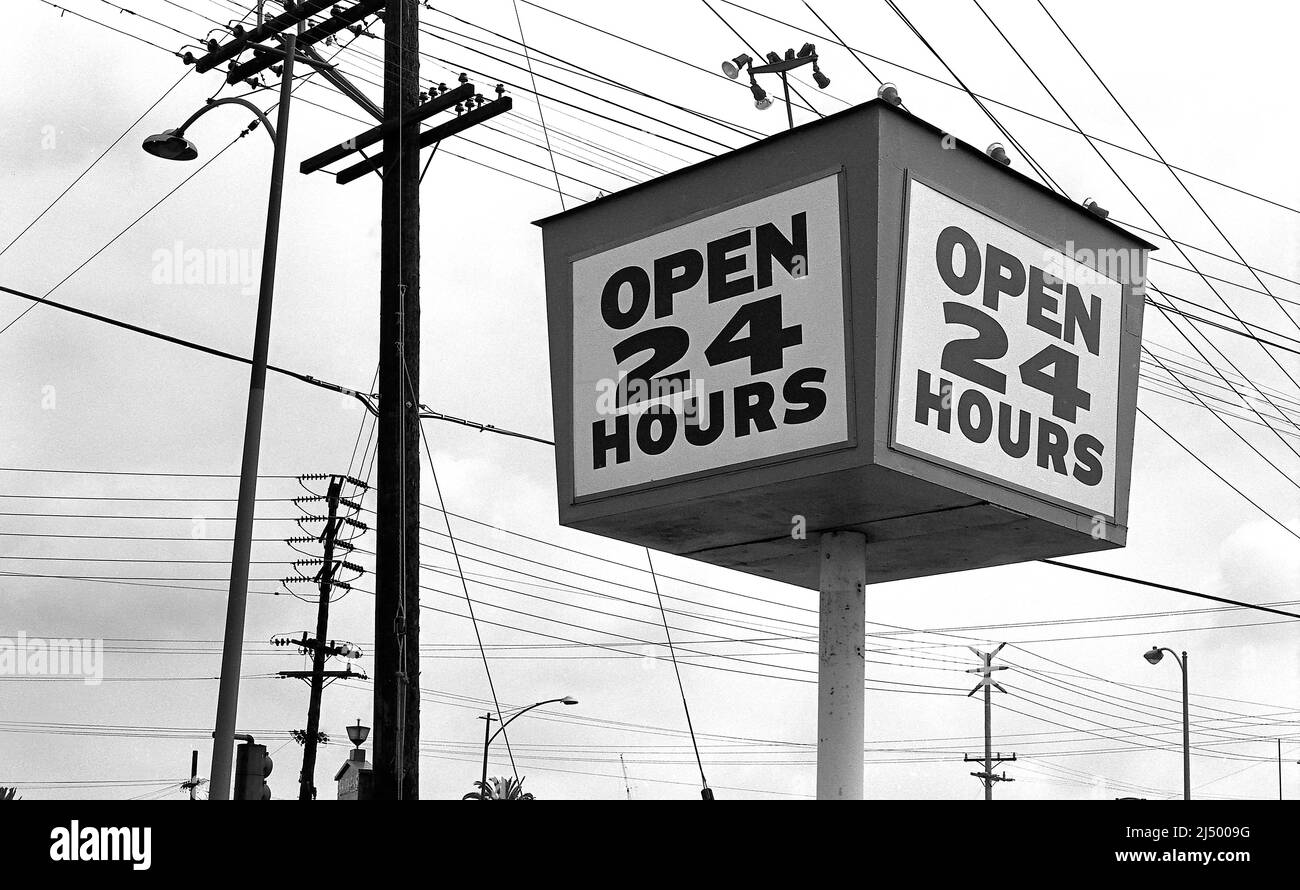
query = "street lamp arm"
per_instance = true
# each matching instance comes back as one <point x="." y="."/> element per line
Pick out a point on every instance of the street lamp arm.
<point x="1181" y="660"/>
<point x="230" y="100"/>
<point x="512" y="717"/>
<point x="783" y="65"/>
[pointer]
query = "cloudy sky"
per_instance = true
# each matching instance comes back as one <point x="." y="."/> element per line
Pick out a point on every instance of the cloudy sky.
<point x="139" y="555"/>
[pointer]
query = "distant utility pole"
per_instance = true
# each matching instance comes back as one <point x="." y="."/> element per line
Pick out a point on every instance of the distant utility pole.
<point x="326" y="580"/>
<point x="307" y="780"/>
<point x="987" y="683"/>
<point x="396" y="737"/>
<point x="192" y="786"/>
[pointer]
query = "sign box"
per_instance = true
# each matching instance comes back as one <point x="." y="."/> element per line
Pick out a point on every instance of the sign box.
<point x="861" y="324"/>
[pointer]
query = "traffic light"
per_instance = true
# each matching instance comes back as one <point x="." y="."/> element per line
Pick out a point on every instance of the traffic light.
<point x="252" y="767"/>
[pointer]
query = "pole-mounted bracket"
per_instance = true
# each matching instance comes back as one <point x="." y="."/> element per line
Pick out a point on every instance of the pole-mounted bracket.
<point x="332" y="25"/>
<point x="218" y="53"/>
<point x="425" y="110"/>
<point x="477" y="115"/>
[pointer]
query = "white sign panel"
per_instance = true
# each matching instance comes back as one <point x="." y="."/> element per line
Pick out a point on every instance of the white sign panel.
<point x="711" y="344"/>
<point x="1008" y="355"/>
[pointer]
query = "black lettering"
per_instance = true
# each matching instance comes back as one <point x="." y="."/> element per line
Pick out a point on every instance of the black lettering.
<point x="766" y="340"/>
<point x="610" y="298"/>
<point x="1041" y="288"/>
<point x="1019" y="446"/>
<point x="969" y="279"/>
<point x="1053" y="443"/>
<point x="602" y="441"/>
<point x="1086" y="321"/>
<point x="716" y="415"/>
<point x="669" y="281"/>
<point x="797" y="391"/>
<point x="722" y="266"/>
<point x="927" y="401"/>
<point x="770" y="244"/>
<point x="1087" y="451"/>
<point x="754" y="406"/>
<point x="666" y="345"/>
<point x="972" y="401"/>
<point x="666" y="420"/>
<point x="963" y="357"/>
<point x="997" y="262"/>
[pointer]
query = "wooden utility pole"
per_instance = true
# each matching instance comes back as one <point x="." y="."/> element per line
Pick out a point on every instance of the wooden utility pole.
<point x="988" y="684"/>
<point x="397" y="563"/>
<point x="397" y="545"/>
<point x="294" y="41"/>
<point x="307" y="779"/>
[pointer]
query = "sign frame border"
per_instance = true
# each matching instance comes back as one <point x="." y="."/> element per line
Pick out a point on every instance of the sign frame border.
<point x="851" y="439"/>
<point x="910" y="176"/>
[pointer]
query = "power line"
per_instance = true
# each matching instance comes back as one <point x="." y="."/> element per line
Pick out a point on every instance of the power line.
<point x="1233" y="429"/>
<point x="110" y="241"/>
<point x="1152" y="216"/>
<point x="1042" y="173"/>
<point x="704" y="782"/>
<point x="469" y="602"/>
<point x="87" y="18"/>
<point x="834" y="34"/>
<point x="79" y="472"/>
<point x="540" y="114"/>
<point x="168" y="338"/>
<point x="1183" y="590"/>
<point x="50" y="206"/>
<point x="1233" y="603"/>
<point x="1221" y="478"/>
<point x="1171" y="170"/>
<point x="991" y="100"/>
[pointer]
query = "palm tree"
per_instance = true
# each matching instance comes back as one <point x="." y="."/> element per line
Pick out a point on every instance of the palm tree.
<point x="500" y="789"/>
<point x="9" y="793"/>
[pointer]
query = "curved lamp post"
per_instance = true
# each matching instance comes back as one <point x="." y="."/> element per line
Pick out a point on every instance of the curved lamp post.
<point x="173" y="146"/>
<point x="1154" y="656"/>
<point x="489" y="736"/>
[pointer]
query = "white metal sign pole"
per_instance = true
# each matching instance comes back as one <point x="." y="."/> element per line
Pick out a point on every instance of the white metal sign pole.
<point x="841" y="670"/>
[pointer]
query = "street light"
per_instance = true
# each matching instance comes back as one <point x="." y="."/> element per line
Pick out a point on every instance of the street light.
<point x="776" y="64"/>
<point x="358" y="734"/>
<point x="172" y="145"/>
<point x="1154" y="656"/>
<point x="733" y="67"/>
<point x="489" y="736"/>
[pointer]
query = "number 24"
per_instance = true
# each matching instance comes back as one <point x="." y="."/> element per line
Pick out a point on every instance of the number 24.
<point x="966" y="358"/>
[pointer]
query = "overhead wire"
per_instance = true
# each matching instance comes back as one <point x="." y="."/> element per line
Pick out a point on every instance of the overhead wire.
<point x="1156" y="221"/>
